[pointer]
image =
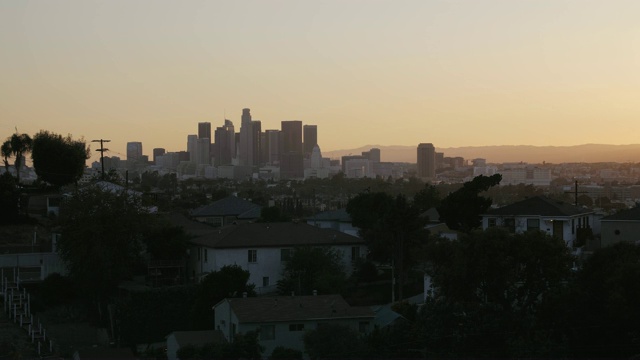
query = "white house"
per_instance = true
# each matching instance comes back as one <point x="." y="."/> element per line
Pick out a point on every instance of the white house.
<point x="261" y="248"/>
<point x="283" y="320"/>
<point x="553" y="217"/>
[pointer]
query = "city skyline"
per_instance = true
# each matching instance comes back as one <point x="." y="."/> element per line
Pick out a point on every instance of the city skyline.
<point x="453" y="73"/>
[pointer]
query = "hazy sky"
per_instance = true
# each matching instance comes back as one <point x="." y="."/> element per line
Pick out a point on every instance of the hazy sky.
<point x="450" y="72"/>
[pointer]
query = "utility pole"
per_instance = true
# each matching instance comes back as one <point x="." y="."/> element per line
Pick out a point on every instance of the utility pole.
<point x="576" y="192"/>
<point x="102" y="150"/>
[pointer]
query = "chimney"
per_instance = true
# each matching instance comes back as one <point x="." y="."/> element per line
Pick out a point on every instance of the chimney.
<point x="244" y="294"/>
<point x="293" y="294"/>
<point x="315" y="292"/>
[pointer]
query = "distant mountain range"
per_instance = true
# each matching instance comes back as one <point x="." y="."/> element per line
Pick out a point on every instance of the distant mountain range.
<point x="588" y="153"/>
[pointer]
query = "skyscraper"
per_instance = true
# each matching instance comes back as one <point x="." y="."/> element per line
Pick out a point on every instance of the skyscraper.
<point x="192" y="146"/>
<point x="225" y="144"/>
<point x="256" y="132"/>
<point x="204" y="132"/>
<point x="245" y="137"/>
<point x="272" y="146"/>
<point x="310" y="133"/>
<point x="291" y="158"/>
<point x="134" y="150"/>
<point x="426" y="161"/>
<point x="157" y="152"/>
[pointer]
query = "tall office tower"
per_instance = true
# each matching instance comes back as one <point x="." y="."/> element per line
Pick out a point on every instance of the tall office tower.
<point x="245" y="137"/>
<point x="157" y="152"/>
<point x="291" y="158"/>
<point x="272" y="146"/>
<point x="310" y="133"/>
<point x="204" y="132"/>
<point x="202" y="151"/>
<point x="426" y="161"/>
<point x="256" y="131"/>
<point x="225" y="144"/>
<point x="134" y="150"/>
<point x="192" y="146"/>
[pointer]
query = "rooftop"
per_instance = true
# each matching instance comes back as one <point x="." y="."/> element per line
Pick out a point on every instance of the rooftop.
<point x="540" y="206"/>
<point x="229" y="206"/>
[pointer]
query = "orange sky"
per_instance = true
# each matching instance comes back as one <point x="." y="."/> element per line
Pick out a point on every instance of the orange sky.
<point x="450" y="72"/>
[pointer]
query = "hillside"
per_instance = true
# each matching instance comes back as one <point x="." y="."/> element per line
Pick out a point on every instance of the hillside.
<point x="589" y="153"/>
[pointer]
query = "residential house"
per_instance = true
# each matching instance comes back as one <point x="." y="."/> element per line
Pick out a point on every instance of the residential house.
<point x="553" y="217"/>
<point x="336" y="219"/>
<point x="283" y="320"/>
<point x="621" y="226"/>
<point x="263" y="248"/>
<point x="227" y="211"/>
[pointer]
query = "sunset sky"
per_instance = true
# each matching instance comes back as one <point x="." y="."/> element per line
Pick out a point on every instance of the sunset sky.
<point x="450" y="72"/>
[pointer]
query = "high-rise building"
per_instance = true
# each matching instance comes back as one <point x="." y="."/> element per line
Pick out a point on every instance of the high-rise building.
<point x="256" y="132"/>
<point x="291" y="157"/>
<point x="310" y="133"/>
<point x="192" y="146"/>
<point x="426" y="161"/>
<point x="245" y="147"/>
<point x="272" y="146"/>
<point x="202" y="151"/>
<point x="225" y="144"/>
<point x="204" y="130"/>
<point x="157" y="152"/>
<point x="134" y="150"/>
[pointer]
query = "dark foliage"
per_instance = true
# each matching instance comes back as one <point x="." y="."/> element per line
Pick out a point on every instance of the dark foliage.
<point x="59" y="160"/>
<point x="313" y="268"/>
<point x="461" y="209"/>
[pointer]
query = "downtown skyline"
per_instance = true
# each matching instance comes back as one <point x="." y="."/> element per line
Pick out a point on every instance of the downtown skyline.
<point x="453" y="73"/>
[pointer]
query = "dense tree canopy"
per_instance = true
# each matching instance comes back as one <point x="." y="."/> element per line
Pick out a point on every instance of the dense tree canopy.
<point x="461" y="209"/>
<point x="102" y="238"/>
<point x="313" y="268"/>
<point x="392" y="228"/>
<point x="58" y="160"/>
<point x="229" y="281"/>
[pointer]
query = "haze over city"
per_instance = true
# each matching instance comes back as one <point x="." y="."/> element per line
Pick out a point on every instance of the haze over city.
<point x="451" y="73"/>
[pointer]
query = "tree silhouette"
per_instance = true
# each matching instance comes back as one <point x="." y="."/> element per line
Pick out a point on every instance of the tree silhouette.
<point x="16" y="145"/>
<point x="59" y="160"/>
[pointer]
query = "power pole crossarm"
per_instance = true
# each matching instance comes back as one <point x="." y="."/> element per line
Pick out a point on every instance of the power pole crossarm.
<point x="102" y="150"/>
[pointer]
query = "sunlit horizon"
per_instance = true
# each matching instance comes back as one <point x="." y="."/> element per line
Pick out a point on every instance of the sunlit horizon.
<point x="454" y="73"/>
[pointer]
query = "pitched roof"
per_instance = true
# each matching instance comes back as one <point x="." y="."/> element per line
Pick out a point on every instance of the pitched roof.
<point x="632" y="214"/>
<point x="540" y="206"/>
<point x="295" y="308"/>
<point x="273" y="235"/>
<point x="340" y="215"/>
<point x="229" y="206"/>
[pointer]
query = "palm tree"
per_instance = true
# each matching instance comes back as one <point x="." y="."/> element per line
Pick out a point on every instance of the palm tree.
<point x="16" y="145"/>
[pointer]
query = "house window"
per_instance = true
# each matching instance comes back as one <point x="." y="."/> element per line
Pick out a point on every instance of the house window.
<point x="199" y="253"/>
<point x="355" y="253"/>
<point x="533" y="224"/>
<point x="491" y="222"/>
<point x="267" y="332"/>
<point x="285" y="254"/>
<point x="252" y="256"/>
<point x="296" y="327"/>
<point x="510" y="224"/>
<point x="363" y="326"/>
<point x="573" y="226"/>
<point x="265" y="281"/>
<point x="206" y="255"/>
